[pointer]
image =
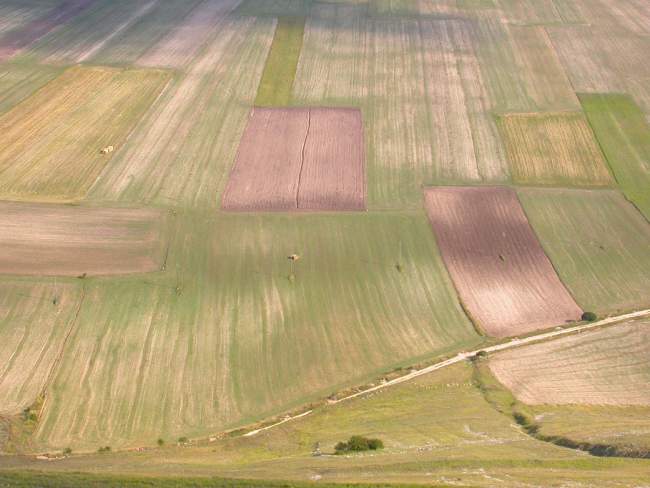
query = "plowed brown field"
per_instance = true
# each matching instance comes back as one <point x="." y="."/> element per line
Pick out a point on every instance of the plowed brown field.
<point x="505" y="280"/>
<point x="41" y="239"/>
<point x="292" y="159"/>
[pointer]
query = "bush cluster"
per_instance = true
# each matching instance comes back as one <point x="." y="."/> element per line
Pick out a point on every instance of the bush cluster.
<point x="589" y="316"/>
<point x="358" y="443"/>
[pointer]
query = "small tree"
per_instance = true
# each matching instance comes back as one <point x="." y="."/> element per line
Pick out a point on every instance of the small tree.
<point x="160" y="442"/>
<point x="67" y="451"/>
<point x="589" y="316"/>
<point x="182" y="440"/>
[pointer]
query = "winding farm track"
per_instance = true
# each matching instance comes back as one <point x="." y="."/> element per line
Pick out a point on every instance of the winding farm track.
<point x="462" y="356"/>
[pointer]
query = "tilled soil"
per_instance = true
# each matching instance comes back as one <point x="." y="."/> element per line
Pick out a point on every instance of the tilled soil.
<point x="299" y="159"/>
<point x="505" y="280"/>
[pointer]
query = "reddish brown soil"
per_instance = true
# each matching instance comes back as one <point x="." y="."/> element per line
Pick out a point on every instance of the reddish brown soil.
<point x="333" y="171"/>
<point x="43" y="239"/>
<point x="14" y="41"/>
<point x="504" y="278"/>
<point x="299" y="159"/>
<point x="267" y="169"/>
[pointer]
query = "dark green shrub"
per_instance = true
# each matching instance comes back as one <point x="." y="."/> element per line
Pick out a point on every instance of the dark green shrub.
<point x="182" y="440"/>
<point x="589" y="316"/>
<point x="160" y="442"/>
<point x="67" y="451"/>
<point x="104" y="449"/>
<point x="358" y="443"/>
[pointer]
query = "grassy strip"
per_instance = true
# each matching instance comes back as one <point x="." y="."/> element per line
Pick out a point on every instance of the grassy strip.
<point x="505" y="402"/>
<point x="624" y="136"/>
<point x="60" y="480"/>
<point x="281" y="65"/>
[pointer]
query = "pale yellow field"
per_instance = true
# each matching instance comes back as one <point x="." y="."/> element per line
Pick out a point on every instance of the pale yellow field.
<point x="606" y="367"/>
<point x="50" y="143"/>
<point x="35" y="319"/>
<point x="547" y="149"/>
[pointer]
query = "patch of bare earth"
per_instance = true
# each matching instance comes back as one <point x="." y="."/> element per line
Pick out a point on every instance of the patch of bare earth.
<point x="44" y="239"/>
<point x="16" y="40"/>
<point x="299" y="159"/>
<point x="506" y="282"/>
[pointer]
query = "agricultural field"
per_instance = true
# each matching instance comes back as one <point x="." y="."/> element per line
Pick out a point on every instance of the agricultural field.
<point x="598" y="243"/>
<point x="603" y="367"/>
<point x="35" y="319"/>
<point x="183" y="149"/>
<point x="437" y="428"/>
<point x="504" y="279"/>
<point x="50" y="143"/>
<point x="556" y="149"/>
<point x="15" y="40"/>
<point x="299" y="159"/>
<point x="624" y="136"/>
<point x="222" y="217"/>
<point x="42" y="239"/>
<point x="299" y="324"/>
<point x="18" y="81"/>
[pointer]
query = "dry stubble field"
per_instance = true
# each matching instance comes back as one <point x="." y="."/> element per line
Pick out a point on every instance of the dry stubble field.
<point x="50" y="142"/>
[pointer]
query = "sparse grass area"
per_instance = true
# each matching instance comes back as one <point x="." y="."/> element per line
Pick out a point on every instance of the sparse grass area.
<point x="624" y="136"/>
<point x="598" y="242"/>
<point x="280" y="70"/>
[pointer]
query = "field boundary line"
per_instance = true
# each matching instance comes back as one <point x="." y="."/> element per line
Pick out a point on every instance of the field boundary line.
<point x="462" y="356"/>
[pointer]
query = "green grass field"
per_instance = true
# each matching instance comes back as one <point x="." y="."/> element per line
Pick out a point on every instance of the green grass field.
<point x="438" y="429"/>
<point x="280" y="69"/>
<point x="598" y="242"/>
<point x="624" y="136"/>
<point x="294" y="334"/>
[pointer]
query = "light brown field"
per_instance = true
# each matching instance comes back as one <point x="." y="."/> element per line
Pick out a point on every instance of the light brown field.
<point x="604" y="367"/>
<point x="34" y="320"/>
<point x="181" y="44"/>
<point x="502" y="275"/>
<point x="45" y="239"/>
<point x="292" y="159"/>
<point x="549" y="149"/>
<point x="50" y="143"/>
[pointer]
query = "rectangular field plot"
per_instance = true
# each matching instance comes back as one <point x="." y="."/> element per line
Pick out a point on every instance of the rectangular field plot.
<point x="598" y="242"/>
<point x="502" y="275"/>
<point x="45" y="239"/>
<point x="34" y="320"/>
<point x="50" y="143"/>
<point x="603" y="367"/>
<point x="232" y="333"/>
<point x="624" y="136"/>
<point x="299" y="159"/>
<point x="553" y="149"/>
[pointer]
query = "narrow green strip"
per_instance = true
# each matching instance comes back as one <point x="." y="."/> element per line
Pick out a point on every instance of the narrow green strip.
<point x="624" y="136"/>
<point x="281" y="65"/>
